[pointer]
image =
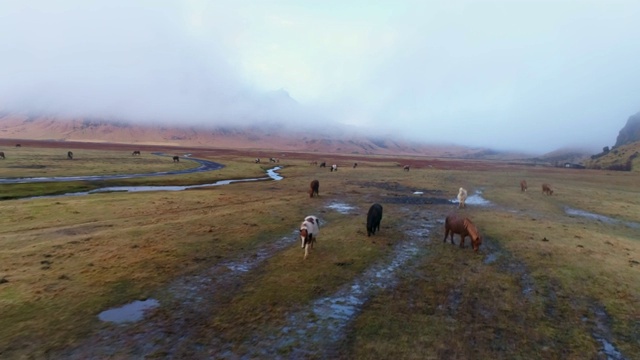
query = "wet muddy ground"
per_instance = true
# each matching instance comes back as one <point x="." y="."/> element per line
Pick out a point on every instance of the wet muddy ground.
<point x="317" y="330"/>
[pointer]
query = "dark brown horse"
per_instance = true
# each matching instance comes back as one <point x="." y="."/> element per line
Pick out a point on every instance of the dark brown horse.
<point x="314" y="187"/>
<point x="523" y="185"/>
<point x="135" y="152"/>
<point x="2" y="154"/>
<point x="176" y="158"/>
<point x="546" y="189"/>
<point x="69" y="155"/>
<point x="464" y="227"/>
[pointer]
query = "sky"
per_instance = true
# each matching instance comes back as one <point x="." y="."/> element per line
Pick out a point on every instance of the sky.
<point x="524" y="75"/>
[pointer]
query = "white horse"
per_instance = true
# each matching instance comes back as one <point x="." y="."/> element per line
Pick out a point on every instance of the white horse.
<point x="309" y="230"/>
<point x="462" y="196"/>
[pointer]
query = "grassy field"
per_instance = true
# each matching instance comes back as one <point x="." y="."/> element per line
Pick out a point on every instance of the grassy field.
<point x="545" y="284"/>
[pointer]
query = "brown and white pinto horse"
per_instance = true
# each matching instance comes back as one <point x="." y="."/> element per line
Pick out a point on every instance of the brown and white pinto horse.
<point x="523" y="185"/>
<point x="462" y="197"/>
<point x="546" y="189"/>
<point x="309" y="230"/>
<point x="464" y="227"/>
<point x="314" y="187"/>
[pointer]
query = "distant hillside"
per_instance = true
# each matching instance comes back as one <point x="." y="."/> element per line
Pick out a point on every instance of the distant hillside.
<point x="561" y="156"/>
<point x="630" y="132"/>
<point x="269" y="136"/>
<point x="624" y="158"/>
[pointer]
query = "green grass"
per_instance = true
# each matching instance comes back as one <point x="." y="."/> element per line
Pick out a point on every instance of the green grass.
<point x="104" y="250"/>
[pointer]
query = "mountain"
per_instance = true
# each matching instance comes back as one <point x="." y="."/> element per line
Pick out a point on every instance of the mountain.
<point x="266" y="136"/>
<point x="630" y="132"/>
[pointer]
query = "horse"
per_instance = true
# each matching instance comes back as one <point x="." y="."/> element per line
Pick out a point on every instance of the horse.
<point x="257" y="160"/>
<point x="18" y="145"/>
<point x="374" y="216"/>
<point x="176" y="158"/>
<point x="274" y="160"/>
<point x="2" y="154"/>
<point x="464" y="227"/>
<point x="323" y="164"/>
<point x="462" y="196"/>
<point x="355" y="165"/>
<point x="135" y="152"/>
<point x="407" y="167"/>
<point x="313" y="163"/>
<point x="334" y="167"/>
<point x="69" y="155"/>
<point x="314" y="188"/>
<point x="546" y="189"/>
<point x="309" y="230"/>
<point x="523" y="185"/>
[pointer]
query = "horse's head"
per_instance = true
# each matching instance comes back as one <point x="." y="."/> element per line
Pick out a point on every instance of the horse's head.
<point x="476" y="242"/>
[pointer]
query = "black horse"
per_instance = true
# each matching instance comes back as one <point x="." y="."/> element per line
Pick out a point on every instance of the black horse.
<point x="69" y="155"/>
<point x="2" y="154"/>
<point x="135" y="152"/>
<point x="176" y="158"/>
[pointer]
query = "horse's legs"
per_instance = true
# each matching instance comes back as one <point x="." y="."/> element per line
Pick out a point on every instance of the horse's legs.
<point x="462" y="237"/>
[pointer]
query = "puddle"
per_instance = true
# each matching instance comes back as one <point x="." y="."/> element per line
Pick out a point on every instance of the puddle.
<point x="418" y="192"/>
<point x="602" y="333"/>
<point x="474" y="199"/>
<point x="342" y="208"/>
<point x="131" y="312"/>
<point x="491" y="258"/>
<point x="598" y="217"/>
<point x="271" y="175"/>
<point x="316" y="329"/>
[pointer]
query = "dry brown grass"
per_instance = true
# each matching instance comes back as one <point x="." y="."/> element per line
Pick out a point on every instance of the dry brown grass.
<point x="67" y="259"/>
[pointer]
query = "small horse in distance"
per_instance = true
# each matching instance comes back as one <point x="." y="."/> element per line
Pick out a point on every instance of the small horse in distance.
<point x="314" y="188"/>
<point x="2" y="155"/>
<point x="257" y="160"/>
<point x="323" y="164"/>
<point x="355" y="165"/>
<point x="407" y="167"/>
<point x="313" y="163"/>
<point x="464" y="227"/>
<point x="523" y="185"/>
<point x="176" y="158"/>
<point x="462" y="197"/>
<point x="18" y="145"/>
<point x="334" y="167"/>
<point x="69" y="155"/>
<point x="309" y="230"/>
<point x="546" y="189"/>
<point x="135" y="152"/>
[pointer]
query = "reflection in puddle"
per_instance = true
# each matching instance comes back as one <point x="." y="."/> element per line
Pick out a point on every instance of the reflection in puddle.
<point x="342" y="208"/>
<point x="598" y="217"/>
<point x="128" y="313"/>
<point x="474" y="199"/>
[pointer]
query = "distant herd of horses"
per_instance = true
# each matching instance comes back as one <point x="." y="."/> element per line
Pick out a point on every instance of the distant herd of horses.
<point x="70" y="154"/>
<point x="454" y="223"/>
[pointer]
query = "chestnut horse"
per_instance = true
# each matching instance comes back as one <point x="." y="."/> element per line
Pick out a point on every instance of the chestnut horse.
<point x="546" y="189"/>
<point x="464" y="227"/>
<point x="523" y="185"/>
<point x="309" y="230"/>
<point x="313" y="188"/>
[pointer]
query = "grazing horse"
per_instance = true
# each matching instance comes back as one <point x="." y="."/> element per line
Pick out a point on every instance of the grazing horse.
<point x="135" y="152"/>
<point x="374" y="216"/>
<point x="323" y="164"/>
<point x="313" y="163"/>
<point x="314" y="187"/>
<point x="464" y="227"/>
<point x="355" y="165"/>
<point x="274" y="160"/>
<point x="523" y="185"/>
<point x="18" y="145"/>
<point x="176" y="158"/>
<point x="2" y="154"/>
<point x="462" y="196"/>
<point x="407" y="167"/>
<point x="546" y="189"/>
<point x="257" y="161"/>
<point x="334" y="167"/>
<point x="69" y="155"/>
<point x="309" y="230"/>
